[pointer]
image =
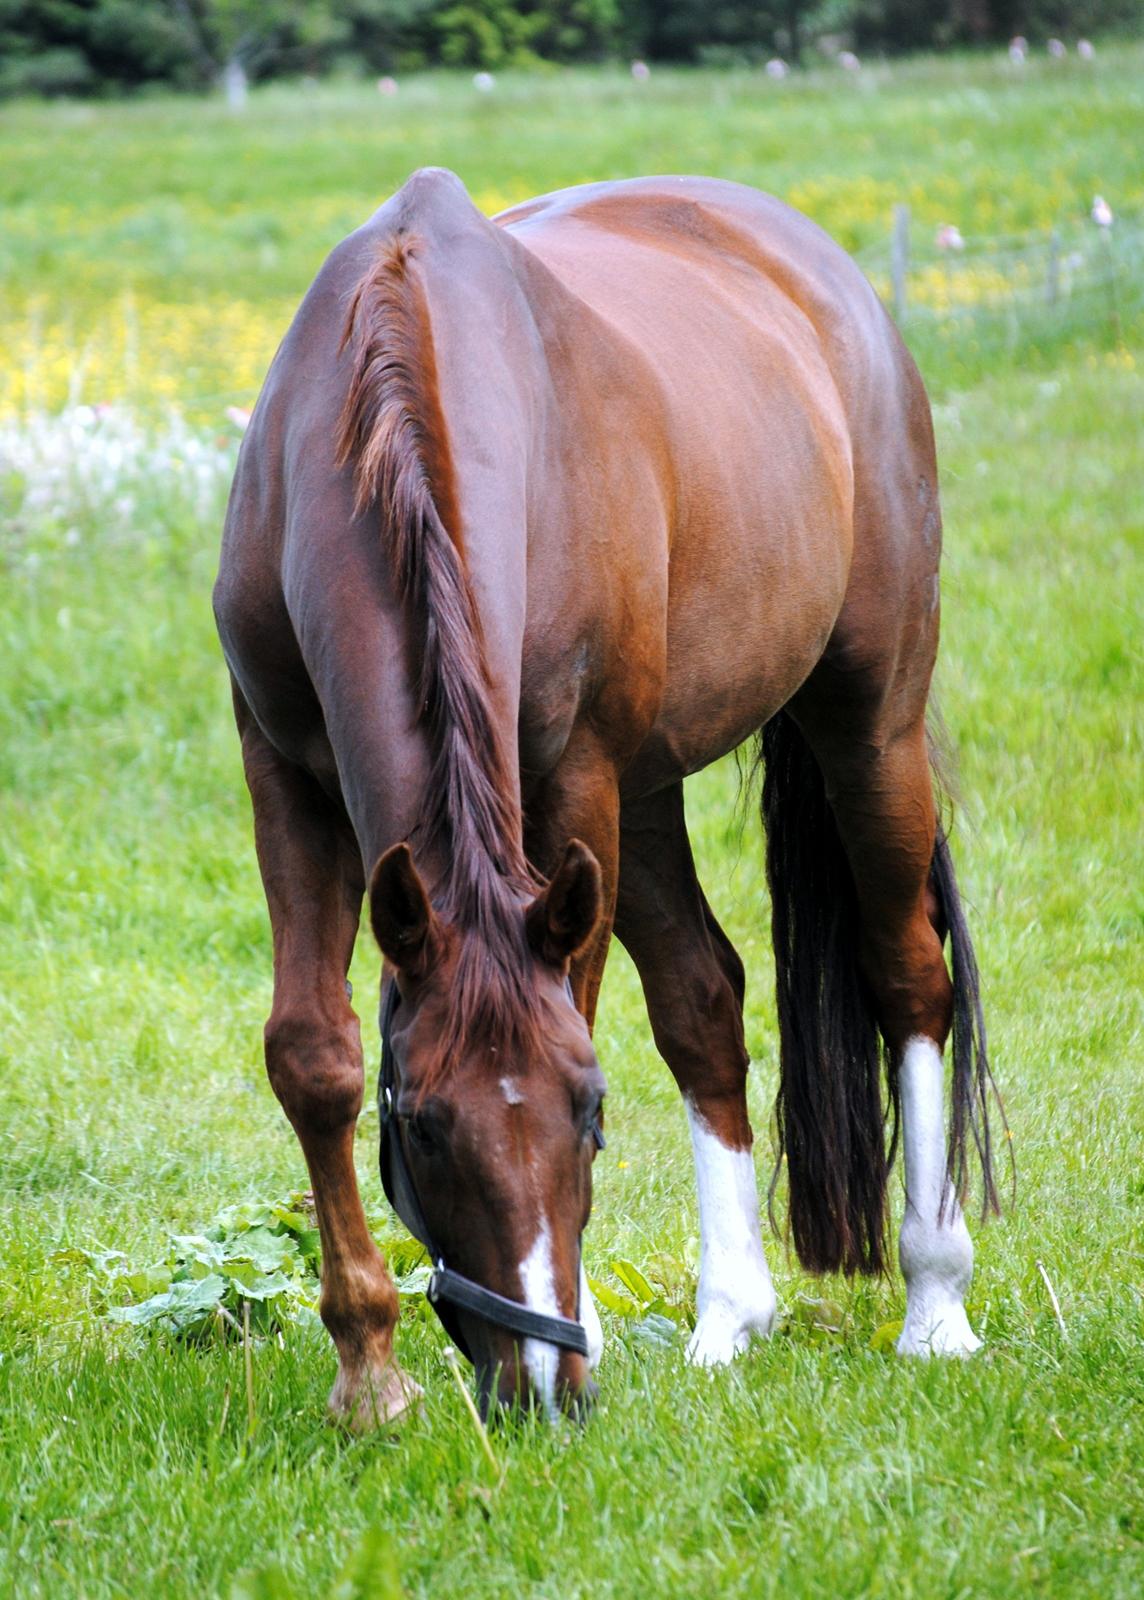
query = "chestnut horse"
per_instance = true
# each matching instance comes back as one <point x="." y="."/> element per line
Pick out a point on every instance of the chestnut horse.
<point x="535" y="517"/>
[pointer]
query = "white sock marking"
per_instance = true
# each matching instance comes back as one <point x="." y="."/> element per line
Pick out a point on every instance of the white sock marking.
<point x="935" y="1250"/>
<point x="736" y="1297"/>
<point x="590" y="1322"/>
<point x="536" y="1279"/>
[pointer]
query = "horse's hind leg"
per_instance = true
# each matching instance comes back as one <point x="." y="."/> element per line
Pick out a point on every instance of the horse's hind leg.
<point x="312" y="874"/>
<point x="693" y="983"/>
<point x="876" y="769"/>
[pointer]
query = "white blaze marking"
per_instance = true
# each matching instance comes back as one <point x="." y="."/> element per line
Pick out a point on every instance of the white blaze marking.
<point x="736" y="1297"/>
<point x="536" y="1280"/>
<point x="935" y="1250"/>
<point x="512" y="1092"/>
<point x="590" y="1322"/>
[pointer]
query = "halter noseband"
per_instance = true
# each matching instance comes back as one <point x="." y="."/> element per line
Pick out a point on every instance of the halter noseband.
<point x="448" y="1289"/>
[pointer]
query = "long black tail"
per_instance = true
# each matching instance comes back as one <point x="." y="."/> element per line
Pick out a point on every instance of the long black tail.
<point x="972" y="1077"/>
<point x="832" y="1110"/>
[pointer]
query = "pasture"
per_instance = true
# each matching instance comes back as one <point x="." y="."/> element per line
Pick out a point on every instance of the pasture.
<point x="151" y="254"/>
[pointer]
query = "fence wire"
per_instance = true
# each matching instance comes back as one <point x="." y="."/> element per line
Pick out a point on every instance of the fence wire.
<point x="1073" y="272"/>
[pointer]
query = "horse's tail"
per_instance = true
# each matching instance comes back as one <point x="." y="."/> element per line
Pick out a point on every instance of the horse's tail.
<point x="972" y="1076"/>
<point x="831" y="1110"/>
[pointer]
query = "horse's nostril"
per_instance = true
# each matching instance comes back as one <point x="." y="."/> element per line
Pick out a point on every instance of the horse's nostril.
<point x="578" y="1399"/>
<point x="488" y="1399"/>
<point x="500" y="1397"/>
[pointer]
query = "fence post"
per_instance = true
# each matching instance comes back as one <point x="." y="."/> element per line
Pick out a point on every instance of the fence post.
<point x="1110" y="279"/>
<point x="900" y="259"/>
<point x="1053" y="281"/>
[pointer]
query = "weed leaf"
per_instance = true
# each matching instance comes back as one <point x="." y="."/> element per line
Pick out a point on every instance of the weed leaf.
<point x="634" y="1281"/>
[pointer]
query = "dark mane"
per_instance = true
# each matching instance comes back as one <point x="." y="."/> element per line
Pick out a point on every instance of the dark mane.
<point x="393" y="428"/>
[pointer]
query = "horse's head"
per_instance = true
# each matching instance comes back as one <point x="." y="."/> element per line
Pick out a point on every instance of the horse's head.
<point x="498" y="1132"/>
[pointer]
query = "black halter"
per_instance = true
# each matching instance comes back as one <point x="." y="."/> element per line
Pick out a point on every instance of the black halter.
<point x="448" y="1289"/>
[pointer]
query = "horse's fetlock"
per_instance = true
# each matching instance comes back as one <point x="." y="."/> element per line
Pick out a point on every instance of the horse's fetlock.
<point x="361" y="1309"/>
<point x="937" y="1248"/>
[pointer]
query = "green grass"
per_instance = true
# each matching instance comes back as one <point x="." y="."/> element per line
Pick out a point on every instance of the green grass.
<point x="135" y="966"/>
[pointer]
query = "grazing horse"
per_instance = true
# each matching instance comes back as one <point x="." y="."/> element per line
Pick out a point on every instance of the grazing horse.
<point x="534" y="517"/>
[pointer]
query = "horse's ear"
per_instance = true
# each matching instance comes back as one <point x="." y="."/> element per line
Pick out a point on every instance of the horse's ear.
<point x="562" y="919"/>
<point x="404" y="923"/>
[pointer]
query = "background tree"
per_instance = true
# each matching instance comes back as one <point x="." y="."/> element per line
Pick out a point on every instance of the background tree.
<point x="90" y="46"/>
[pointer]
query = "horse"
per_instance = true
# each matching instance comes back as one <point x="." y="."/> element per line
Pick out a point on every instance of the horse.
<point x="536" y="516"/>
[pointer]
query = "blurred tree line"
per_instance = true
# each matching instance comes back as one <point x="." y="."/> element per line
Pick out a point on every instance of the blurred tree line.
<point x="85" y="46"/>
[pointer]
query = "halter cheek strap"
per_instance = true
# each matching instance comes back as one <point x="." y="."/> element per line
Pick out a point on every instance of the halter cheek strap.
<point x="450" y="1291"/>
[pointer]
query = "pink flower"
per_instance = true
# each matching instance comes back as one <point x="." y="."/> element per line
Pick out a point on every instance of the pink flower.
<point x="1084" y="49"/>
<point x="387" y="86"/>
<point x="1018" y="48"/>
<point x="948" y="237"/>
<point x="1101" y="212"/>
<point x="1056" y="49"/>
<point x="641" y="72"/>
<point x="239" y="416"/>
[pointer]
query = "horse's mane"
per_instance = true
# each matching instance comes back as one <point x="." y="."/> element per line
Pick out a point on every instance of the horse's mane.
<point x="393" y="429"/>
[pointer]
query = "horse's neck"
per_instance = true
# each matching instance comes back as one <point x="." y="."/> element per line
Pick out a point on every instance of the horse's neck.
<point x="464" y="304"/>
<point x="487" y="425"/>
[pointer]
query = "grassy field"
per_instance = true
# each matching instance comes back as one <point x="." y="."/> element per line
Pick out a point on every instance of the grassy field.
<point x="166" y="265"/>
<point x="164" y="243"/>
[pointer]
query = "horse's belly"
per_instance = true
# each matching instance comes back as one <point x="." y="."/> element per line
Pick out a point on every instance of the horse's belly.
<point x="728" y="672"/>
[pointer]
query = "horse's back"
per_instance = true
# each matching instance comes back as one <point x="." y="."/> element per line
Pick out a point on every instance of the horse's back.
<point x="671" y="260"/>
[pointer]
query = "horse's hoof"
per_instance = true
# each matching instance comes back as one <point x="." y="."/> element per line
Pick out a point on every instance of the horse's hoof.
<point x="716" y="1345"/>
<point x="945" y="1334"/>
<point x="370" y="1400"/>
<point x="719" y="1338"/>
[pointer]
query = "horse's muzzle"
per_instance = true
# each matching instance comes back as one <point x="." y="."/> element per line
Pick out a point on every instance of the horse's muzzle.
<point x="503" y="1392"/>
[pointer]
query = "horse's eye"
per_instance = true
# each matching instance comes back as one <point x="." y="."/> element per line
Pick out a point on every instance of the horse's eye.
<point x="590" y="1126"/>
<point x="421" y="1135"/>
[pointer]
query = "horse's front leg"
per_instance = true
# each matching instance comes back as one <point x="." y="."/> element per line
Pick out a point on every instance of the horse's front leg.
<point x="580" y="800"/>
<point x="312" y="874"/>
<point x="693" y="983"/>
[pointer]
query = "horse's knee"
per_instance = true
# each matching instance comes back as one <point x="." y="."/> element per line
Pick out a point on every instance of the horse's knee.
<point x="315" y="1068"/>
